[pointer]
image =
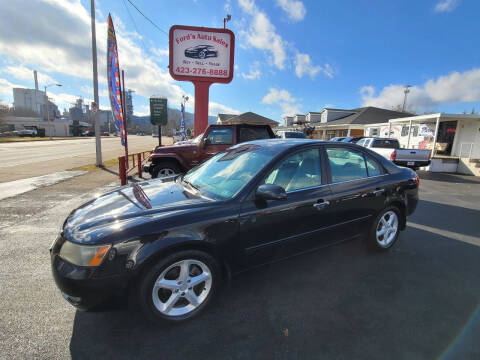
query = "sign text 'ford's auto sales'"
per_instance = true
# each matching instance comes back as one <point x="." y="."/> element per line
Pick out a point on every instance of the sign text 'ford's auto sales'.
<point x="203" y="54"/>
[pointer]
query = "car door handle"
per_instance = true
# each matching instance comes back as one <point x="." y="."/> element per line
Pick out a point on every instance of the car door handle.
<point x="378" y="192"/>
<point x="321" y="205"/>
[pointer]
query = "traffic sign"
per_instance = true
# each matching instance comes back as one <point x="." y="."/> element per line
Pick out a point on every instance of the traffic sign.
<point x="158" y="111"/>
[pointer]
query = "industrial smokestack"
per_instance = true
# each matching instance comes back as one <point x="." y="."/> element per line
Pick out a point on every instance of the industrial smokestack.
<point x="36" y="79"/>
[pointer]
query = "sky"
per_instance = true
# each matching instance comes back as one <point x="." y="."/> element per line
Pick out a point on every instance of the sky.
<point x="291" y="56"/>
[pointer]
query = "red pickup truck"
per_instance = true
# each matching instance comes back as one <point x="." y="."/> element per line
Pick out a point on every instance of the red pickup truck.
<point x="170" y="160"/>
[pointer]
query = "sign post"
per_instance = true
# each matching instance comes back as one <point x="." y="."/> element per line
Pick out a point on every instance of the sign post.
<point x="203" y="56"/>
<point x="159" y="114"/>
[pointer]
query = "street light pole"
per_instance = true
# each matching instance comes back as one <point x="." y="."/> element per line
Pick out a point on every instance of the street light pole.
<point x="98" y="144"/>
<point x="406" y="91"/>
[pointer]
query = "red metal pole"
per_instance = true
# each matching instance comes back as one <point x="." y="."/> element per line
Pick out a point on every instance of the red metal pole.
<point x="124" y="116"/>
<point x="201" y="107"/>
<point x="122" y="172"/>
<point x="139" y="164"/>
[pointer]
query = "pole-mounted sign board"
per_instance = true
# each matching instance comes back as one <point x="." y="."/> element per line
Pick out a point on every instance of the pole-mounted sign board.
<point x="202" y="56"/>
<point x="158" y="111"/>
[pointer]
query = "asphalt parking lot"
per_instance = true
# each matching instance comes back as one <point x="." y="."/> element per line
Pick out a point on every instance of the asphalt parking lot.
<point x="419" y="301"/>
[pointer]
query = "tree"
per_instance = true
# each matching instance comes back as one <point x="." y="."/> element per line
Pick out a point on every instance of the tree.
<point x="4" y="111"/>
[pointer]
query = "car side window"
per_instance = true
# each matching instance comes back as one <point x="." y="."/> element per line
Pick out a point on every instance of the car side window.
<point x="346" y="164"/>
<point x="373" y="167"/>
<point x="251" y="133"/>
<point x="361" y="142"/>
<point x="220" y="137"/>
<point x="298" y="171"/>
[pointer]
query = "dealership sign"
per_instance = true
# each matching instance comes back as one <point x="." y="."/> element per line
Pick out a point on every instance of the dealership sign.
<point x="203" y="56"/>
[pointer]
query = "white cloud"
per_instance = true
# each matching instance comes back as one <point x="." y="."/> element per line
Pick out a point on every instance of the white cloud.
<point x="262" y="34"/>
<point x="6" y="88"/>
<point x="284" y="99"/>
<point x="216" y="108"/>
<point x="53" y="36"/>
<point x="23" y="73"/>
<point x="446" y="5"/>
<point x="254" y="72"/>
<point x="304" y="66"/>
<point x="294" y="9"/>
<point x="453" y="88"/>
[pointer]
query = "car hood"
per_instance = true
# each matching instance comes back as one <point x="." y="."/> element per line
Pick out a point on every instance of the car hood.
<point x="176" y="148"/>
<point x="100" y="220"/>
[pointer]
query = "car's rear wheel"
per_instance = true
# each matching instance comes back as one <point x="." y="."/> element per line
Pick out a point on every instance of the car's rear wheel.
<point x="385" y="229"/>
<point x="179" y="286"/>
<point x="165" y="169"/>
<point x="202" y="54"/>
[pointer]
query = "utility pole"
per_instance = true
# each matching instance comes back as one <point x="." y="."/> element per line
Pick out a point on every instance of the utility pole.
<point x="406" y="91"/>
<point x="98" y="143"/>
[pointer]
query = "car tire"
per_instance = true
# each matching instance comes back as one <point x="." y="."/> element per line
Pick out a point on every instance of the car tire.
<point x="385" y="229"/>
<point x="164" y="296"/>
<point x="165" y="168"/>
<point x="202" y="55"/>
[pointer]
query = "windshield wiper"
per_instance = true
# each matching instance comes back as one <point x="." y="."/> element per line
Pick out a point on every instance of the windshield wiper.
<point x="191" y="185"/>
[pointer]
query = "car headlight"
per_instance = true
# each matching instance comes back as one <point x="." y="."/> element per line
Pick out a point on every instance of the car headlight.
<point x="83" y="255"/>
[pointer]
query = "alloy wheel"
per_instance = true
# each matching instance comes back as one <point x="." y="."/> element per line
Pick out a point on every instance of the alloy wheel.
<point x="182" y="287"/>
<point x="166" y="172"/>
<point x="387" y="228"/>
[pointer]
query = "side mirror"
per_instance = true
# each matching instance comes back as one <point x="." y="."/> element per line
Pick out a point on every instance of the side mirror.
<point x="270" y="192"/>
<point x="206" y="142"/>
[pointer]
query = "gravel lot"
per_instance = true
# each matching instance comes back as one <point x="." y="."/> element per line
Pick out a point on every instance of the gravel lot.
<point x="419" y="301"/>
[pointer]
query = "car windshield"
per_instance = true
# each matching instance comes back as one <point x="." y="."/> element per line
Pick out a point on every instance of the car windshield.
<point x="224" y="175"/>
<point x="293" y="134"/>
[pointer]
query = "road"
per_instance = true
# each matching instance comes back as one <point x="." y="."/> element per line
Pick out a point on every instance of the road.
<point x="19" y="160"/>
<point x="418" y="301"/>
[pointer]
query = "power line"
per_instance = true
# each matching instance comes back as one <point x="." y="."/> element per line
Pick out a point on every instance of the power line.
<point x="135" y="25"/>
<point x="158" y="27"/>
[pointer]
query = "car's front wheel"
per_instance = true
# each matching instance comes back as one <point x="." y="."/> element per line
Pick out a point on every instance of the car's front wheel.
<point x="179" y="286"/>
<point x="385" y="229"/>
<point x="164" y="169"/>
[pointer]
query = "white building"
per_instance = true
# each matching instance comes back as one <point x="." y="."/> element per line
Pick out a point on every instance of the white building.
<point x="288" y="121"/>
<point x="454" y="139"/>
<point x="33" y="100"/>
<point x="299" y="119"/>
<point x="313" y="117"/>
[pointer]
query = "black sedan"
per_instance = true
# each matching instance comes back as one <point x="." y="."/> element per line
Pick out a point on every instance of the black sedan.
<point x="201" y="52"/>
<point x="169" y="243"/>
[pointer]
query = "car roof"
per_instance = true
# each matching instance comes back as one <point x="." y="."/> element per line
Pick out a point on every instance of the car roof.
<point x="284" y="144"/>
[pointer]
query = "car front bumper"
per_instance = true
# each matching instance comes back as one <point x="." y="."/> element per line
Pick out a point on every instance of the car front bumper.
<point x="81" y="288"/>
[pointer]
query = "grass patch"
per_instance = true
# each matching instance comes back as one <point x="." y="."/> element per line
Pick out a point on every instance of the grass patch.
<point x="25" y="139"/>
<point x="93" y="167"/>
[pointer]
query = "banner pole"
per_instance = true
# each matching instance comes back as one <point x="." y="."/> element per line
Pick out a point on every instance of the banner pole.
<point x="124" y="116"/>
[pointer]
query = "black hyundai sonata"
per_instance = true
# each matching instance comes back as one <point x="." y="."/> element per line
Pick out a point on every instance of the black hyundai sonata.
<point x="169" y="243"/>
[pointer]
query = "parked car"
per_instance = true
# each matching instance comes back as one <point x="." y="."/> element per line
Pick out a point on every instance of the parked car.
<point x="105" y="133"/>
<point x="352" y="139"/>
<point x="390" y="149"/>
<point x="169" y="243"/>
<point x="201" y="52"/>
<point x="28" y="130"/>
<point x="88" y="133"/>
<point x="169" y="160"/>
<point x="282" y="134"/>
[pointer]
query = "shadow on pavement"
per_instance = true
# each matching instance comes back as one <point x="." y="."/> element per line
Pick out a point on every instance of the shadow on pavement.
<point x="447" y="217"/>
<point x="447" y="177"/>
<point x="413" y="302"/>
